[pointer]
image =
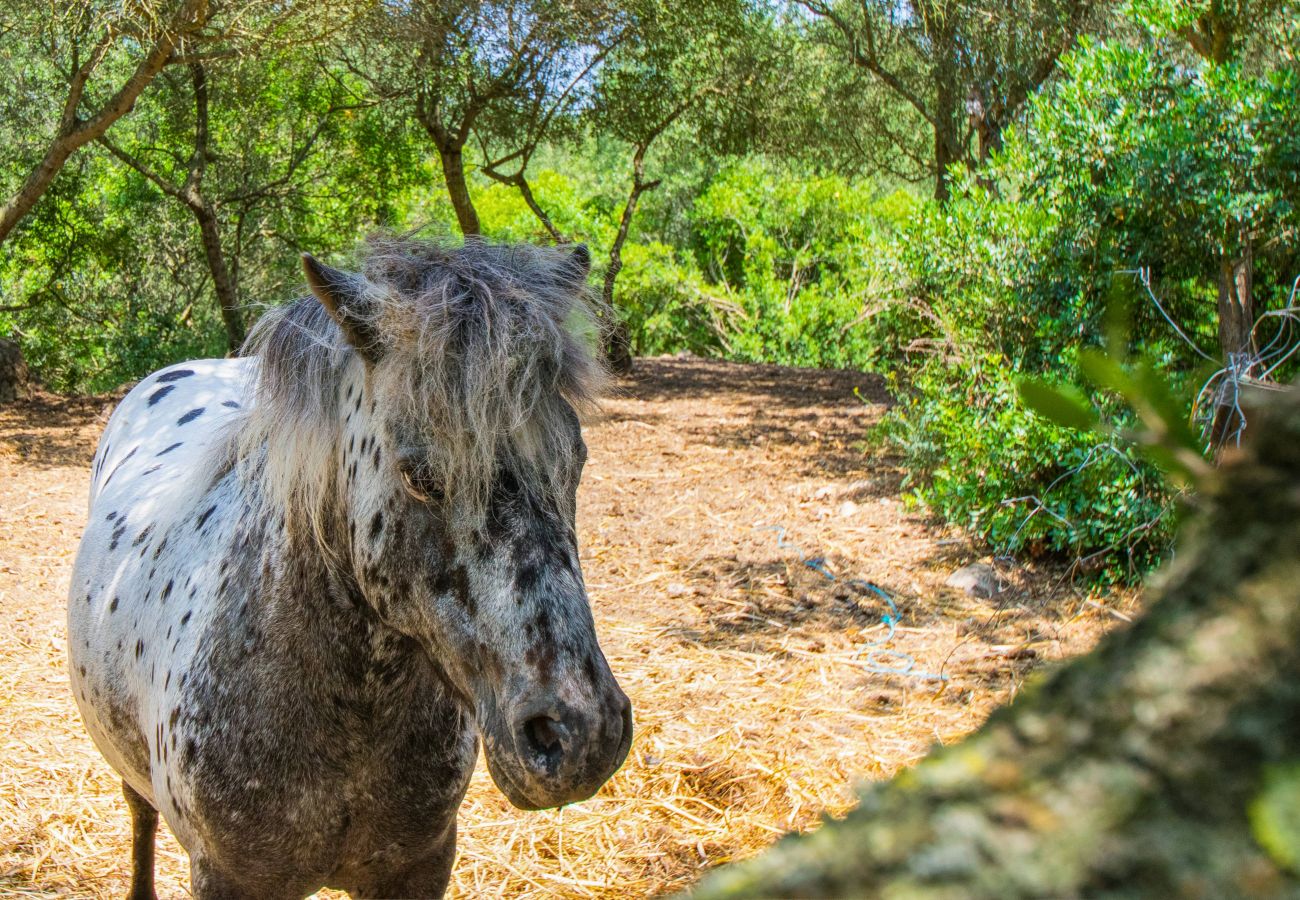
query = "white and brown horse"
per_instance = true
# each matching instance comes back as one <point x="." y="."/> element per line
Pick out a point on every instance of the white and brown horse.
<point x="314" y="576"/>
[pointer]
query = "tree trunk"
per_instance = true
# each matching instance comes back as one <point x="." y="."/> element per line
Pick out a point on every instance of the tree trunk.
<point x="946" y="149"/>
<point x="1212" y="36"/>
<point x="15" y="382"/>
<point x="1237" y="304"/>
<point x="618" y="339"/>
<point x="1164" y="764"/>
<point x="988" y="139"/>
<point x="1236" y="340"/>
<point x="33" y="187"/>
<point x="618" y="346"/>
<point x="222" y="282"/>
<point x="453" y="171"/>
<point x="989" y="136"/>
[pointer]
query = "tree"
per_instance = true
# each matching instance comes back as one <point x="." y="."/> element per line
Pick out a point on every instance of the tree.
<point x="1163" y="764"/>
<point x="190" y="192"/>
<point x="238" y="170"/>
<point x="511" y="135"/>
<point x="814" y="110"/>
<point x="92" y="62"/>
<point x="504" y="71"/>
<point x="153" y="251"/>
<point x="1218" y="31"/>
<point x="966" y="69"/>
<point x="1103" y="151"/>
<point x="87" y="45"/>
<point x="686" y="64"/>
<point x="1230" y="143"/>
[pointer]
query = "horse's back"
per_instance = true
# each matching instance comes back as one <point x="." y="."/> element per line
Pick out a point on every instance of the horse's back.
<point x="168" y="423"/>
<point x="128" y="626"/>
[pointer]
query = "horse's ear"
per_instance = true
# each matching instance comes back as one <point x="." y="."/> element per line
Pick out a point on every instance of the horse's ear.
<point x="577" y="265"/>
<point x="343" y="299"/>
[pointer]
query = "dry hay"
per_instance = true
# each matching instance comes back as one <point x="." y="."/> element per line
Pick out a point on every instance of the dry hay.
<point x="753" y="716"/>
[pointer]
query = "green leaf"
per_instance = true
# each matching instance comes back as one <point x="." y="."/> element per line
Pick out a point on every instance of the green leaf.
<point x="1275" y="815"/>
<point x="1117" y="324"/>
<point x="1064" y="406"/>
<point x="1157" y="392"/>
<point x="1106" y="372"/>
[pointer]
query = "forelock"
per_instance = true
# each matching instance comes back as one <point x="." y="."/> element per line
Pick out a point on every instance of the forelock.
<point x="480" y="347"/>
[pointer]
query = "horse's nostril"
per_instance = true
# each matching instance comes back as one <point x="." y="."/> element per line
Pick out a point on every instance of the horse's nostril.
<point x="545" y="736"/>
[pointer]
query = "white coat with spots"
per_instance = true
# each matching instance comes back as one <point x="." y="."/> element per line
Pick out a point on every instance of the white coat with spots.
<point x="128" y="615"/>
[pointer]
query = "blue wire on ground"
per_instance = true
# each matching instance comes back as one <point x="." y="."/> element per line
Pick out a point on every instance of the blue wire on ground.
<point x="877" y="657"/>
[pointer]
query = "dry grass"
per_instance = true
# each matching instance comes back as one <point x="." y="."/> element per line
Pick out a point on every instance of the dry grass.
<point x="752" y="716"/>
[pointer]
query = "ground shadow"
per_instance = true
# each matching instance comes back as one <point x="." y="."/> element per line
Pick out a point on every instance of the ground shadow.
<point x="825" y="413"/>
<point x="45" y="431"/>
<point x="751" y="604"/>
<point x="886" y="481"/>
<point x="612" y="415"/>
<point x="833" y="450"/>
<point x="663" y="378"/>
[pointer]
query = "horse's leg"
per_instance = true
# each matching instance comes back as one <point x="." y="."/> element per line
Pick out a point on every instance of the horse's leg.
<point x="427" y="877"/>
<point x="207" y="882"/>
<point x="144" y="826"/>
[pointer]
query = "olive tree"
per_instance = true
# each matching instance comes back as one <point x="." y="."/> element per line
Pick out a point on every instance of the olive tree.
<point x="504" y="73"/>
<point x="965" y="69"/>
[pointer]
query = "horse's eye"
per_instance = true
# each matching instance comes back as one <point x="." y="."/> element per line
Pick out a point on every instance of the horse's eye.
<point x="420" y="484"/>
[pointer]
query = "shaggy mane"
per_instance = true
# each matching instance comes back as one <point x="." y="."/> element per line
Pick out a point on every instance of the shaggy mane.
<point x="475" y="347"/>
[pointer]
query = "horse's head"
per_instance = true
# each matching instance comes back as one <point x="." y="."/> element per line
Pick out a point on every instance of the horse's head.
<point x="460" y="453"/>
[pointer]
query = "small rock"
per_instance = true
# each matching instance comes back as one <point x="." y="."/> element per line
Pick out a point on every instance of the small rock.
<point x="677" y="589"/>
<point x="977" y="579"/>
<point x="848" y="508"/>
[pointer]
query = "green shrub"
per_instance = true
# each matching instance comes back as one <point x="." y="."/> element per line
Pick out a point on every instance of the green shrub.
<point x="1133" y="160"/>
<point x="810" y="260"/>
<point x="981" y="460"/>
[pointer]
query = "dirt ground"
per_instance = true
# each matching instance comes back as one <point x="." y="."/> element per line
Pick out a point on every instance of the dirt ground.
<point x="758" y="702"/>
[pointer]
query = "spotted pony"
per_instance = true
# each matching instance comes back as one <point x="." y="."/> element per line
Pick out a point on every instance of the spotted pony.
<point x="315" y="576"/>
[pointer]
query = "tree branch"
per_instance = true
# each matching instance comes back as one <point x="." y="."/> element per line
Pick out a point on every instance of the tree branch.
<point x="143" y="168"/>
<point x="75" y="133"/>
<point x="869" y="58"/>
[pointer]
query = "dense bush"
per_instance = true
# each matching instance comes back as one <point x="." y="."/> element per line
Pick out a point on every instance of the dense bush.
<point x="977" y="457"/>
<point x="108" y="290"/>
<point x="975" y="454"/>
<point x="810" y="261"/>
<point x="766" y="264"/>
<point x="1136" y="159"/>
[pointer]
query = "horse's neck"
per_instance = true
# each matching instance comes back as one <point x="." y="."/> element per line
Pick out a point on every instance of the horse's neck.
<point x="329" y="630"/>
<point x="315" y="595"/>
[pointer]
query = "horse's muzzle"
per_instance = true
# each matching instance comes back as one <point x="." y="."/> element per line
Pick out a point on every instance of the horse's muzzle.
<point x="563" y="754"/>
